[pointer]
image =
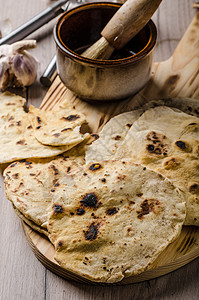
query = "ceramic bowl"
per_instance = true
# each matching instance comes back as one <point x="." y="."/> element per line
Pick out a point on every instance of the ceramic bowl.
<point x="117" y="78"/>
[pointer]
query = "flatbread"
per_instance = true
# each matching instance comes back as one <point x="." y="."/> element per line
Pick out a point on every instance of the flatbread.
<point x="116" y="129"/>
<point x="57" y="127"/>
<point x="167" y="141"/>
<point x="112" y="219"/>
<point x="28" y="182"/>
<point x="16" y="133"/>
<point x="112" y="135"/>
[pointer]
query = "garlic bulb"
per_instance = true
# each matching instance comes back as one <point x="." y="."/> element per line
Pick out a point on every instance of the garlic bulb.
<point x="18" y="68"/>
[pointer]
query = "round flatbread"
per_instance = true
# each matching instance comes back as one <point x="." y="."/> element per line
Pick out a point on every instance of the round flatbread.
<point x="28" y="182"/>
<point x="111" y="136"/>
<point x="112" y="219"/>
<point x="116" y="129"/>
<point x="59" y="127"/>
<point x="167" y="141"/>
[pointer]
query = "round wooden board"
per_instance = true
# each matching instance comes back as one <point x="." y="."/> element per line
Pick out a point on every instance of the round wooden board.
<point x="177" y="78"/>
<point x="179" y="253"/>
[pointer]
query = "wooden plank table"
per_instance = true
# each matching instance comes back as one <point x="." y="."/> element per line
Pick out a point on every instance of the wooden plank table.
<point x="22" y="276"/>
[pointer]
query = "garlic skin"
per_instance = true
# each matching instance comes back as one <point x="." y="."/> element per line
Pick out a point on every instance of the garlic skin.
<point x="18" y="68"/>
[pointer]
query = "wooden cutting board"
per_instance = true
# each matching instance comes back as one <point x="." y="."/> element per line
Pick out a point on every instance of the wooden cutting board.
<point x="176" y="77"/>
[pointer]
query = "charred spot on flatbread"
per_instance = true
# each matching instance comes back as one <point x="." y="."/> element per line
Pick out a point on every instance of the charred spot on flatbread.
<point x="111" y="211"/>
<point x="60" y="244"/>
<point x="71" y="118"/>
<point x="80" y="211"/>
<point x="12" y="165"/>
<point x="11" y="118"/>
<point x="89" y="200"/>
<point x="95" y="167"/>
<point x="21" y="142"/>
<point x="148" y="206"/>
<point x="117" y="137"/>
<point x="139" y="195"/>
<point x="121" y="177"/>
<point x="58" y="209"/>
<point x="193" y="187"/>
<point x="66" y="129"/>
<point x="103" y="180"/>
<point x="183" y="145"/>
<point x="38" y="120"/>
<point x="172" y="162"/>
<point x="56" y="134"/>
<point x="7" y="176"/>
<point x="56" y="171"/>
<point x="15" y="176"/>
<point x="156" y="143"/>
<point x="68" y="169"/>
<point x="92" y="232"/>
<point x="28" y="164"/>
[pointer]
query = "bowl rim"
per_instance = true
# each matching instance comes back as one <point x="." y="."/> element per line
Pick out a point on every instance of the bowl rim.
<point x="122" y="61"/>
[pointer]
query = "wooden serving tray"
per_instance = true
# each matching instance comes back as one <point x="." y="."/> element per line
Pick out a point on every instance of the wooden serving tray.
<point x="176" y="77"/>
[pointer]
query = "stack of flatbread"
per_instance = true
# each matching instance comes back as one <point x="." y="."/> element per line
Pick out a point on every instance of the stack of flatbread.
<point x="109" y="207"/>
<point x="38" y="133"/>
<point x="38" y="140"/>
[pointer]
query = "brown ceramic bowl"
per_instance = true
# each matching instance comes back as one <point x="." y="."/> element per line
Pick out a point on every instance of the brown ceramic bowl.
<point x="93" y="79"/>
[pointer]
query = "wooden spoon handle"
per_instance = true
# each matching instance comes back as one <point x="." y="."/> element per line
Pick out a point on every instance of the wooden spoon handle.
<point x="128" y="21"/>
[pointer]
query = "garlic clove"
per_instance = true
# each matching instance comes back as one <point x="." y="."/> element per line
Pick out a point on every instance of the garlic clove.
<point x="20" y="46"/>
<point x="18" y="68"/>
<point x="24" y="68"/>
<point x="5" y="51"/>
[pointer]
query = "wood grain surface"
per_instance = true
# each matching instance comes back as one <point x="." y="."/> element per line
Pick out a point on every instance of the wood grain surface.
<point x="22" y="276"/>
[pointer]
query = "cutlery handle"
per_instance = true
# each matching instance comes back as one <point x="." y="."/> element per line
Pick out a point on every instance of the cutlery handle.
<point x="128" y="21"/>
<point x="34" y="24"/>
<point x="49" y="74"/>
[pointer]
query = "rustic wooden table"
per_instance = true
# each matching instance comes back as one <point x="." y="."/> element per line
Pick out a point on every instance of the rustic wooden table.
<point x="22" y="276"/>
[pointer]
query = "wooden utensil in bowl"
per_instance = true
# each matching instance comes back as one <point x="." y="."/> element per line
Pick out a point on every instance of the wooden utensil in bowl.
<point x="123" y="26"/>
